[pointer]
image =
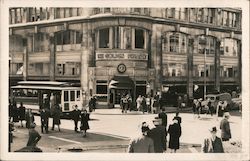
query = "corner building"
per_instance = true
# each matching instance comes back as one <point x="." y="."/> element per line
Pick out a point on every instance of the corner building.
<point x="112" y="51"/>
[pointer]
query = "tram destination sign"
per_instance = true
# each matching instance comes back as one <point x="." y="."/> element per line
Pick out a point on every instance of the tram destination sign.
<point x="119" y="56"/>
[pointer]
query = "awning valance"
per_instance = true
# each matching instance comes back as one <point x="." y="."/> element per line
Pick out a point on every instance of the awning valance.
<point x="121" y="82"/>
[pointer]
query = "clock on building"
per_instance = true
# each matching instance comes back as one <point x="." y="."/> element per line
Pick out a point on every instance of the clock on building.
<point x="121" y="68"/>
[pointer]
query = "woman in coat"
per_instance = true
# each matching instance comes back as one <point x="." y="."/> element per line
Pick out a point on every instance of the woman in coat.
<point x="29" y="118"/>
<point x="174" y="131"/>
<point x="84" y="122"/>
<point x="21" y="112"/>
<point x="56" y="117"/>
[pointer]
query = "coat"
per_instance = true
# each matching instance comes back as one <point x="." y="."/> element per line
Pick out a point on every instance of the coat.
<point x="225" y="129"/>
<point x="21" y="111"/>
<point x="56" y="116"/>
<point x="84" y="121"/>
<point x="143" y="144"/>
<point x="158" y="135"/>
<point x="210" y="146"/>
<point x="15" y="114"/>
<point x="163" y="116"/>
<point x="75" y="114"/>
<point x="174" y="131"/>
<point x="29" y="119"/>
<point x="34" y="137"/>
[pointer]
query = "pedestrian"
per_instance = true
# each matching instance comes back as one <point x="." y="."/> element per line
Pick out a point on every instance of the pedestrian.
<point x="142" y="144"/>
<point x="56" y="117"/>
<point x="163" y="116"/>
<point x="212" y="144"/>
<point x="44" y="114"/>
<point x="75" y="115"/>
<point x="10" y="110"/>
<point x="15" y="113"/>
<point x="198" y="107"/>
<point x="179" y="103"/>
<point x="138" y="103"/>
<point x="225" y="127"/>
<point x="156" y="104"/>
<point x="144" y="105"/>
<point x="11" y="129"/>
<point x="84" y="122"/>
<point x="21" y="111"/>
<point x="158" y="135"/>
<point x="148" y="103"/>
<point x="178" y="118"/>
<point x="29" y="118"/>
<point x="124" y="104"/>
<point x="195" y="102"/>
<point x="34" y="136"/>
<point x="174" y="131"/>
<point x="91" y="104"/>
<point x="130" y="101"/>
<point x="94" y="103"/>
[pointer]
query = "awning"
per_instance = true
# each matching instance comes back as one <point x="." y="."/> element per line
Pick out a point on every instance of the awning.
<point x="121" y="82"/>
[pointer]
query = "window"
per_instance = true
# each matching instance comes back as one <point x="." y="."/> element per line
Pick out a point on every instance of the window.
<point x="66" y="96"/>
<point x="229" y="47"/>
<point x="176" y="70"/>
<point x="200" y="15"/>
<point x="206" y="43"/>
<point x="38" y="69"/>
<point x="193" y="14"/>
<point x="174" y="42"/>
<point x="104" y="38"/>
<point x="107" y="10"/>
<point x="68" y="68"/>
<point x="72" y="95"/>
<point x="68" y="37"/>
<point x="139" y="38"/>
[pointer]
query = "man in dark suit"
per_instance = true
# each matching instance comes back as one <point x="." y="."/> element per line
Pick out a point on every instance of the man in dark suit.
<point x="75" y="115"/>
<point x="158" y="134"/>
<point x="45" y="113"/>
<point x="163" y="116"/>
<point x="225" y="127"/>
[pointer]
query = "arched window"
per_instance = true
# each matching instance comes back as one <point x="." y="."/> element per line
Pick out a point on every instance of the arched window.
<point x="229" y="47"/>
<point x="207" y="43"/>
<point x="174" y="42"/>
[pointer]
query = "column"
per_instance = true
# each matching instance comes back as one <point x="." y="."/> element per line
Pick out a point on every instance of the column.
<point x="190" y="83"/>
<point x="52" y="47"/>
<point x="25" y="59"/>
<point x="217" y="66"/>
<point x="239" y="52"/>
<point x="85" y="52"/>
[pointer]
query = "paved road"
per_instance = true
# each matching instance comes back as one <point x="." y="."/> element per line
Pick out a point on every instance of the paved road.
<point x="110" y="131"/>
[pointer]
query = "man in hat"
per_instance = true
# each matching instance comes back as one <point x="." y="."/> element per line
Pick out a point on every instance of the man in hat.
<point x="158" y="134"/>
<point x="75" y="115"/>
<point x="34" y="136"/>
<point x="213" y="144"/>
<point x="142" y="144"/>
<point x="225" y="127"/>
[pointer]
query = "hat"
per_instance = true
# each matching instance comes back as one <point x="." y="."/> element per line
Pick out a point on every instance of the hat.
<point x="157" y="121"/>
<point x="32" y="125"/>
<point x="226" y="114"/>
<point x="145" y="128"/>
<point x="213" y="129"/>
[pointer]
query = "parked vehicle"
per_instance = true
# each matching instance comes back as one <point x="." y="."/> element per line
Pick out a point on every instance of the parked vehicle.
<point x="215" y="98"/>
<point x="236" y="103"/>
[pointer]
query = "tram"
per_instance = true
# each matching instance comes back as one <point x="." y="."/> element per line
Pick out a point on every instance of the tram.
<point x="34" y="93"/>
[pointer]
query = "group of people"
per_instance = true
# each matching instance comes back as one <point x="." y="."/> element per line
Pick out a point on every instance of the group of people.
<point x="214" y="144"/>
<point x="126" y="103"/>
<point x="148" y="104"/>
<point x="155" y="140"/>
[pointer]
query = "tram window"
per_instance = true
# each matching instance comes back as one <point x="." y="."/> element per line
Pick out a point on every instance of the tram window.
<point x="78" y="95"/>
<point x="72" y="95"/>
<point x="66" y="96"/>
<point x="66" y="106"/>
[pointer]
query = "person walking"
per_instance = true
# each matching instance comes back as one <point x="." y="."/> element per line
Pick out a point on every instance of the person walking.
<point x="34" y="137"/>
<point x="179" y="102"/>
<point x="195" y="101"/>
<point x="158" y="135"/>
<point x="130" y="103"/>
<point x="84" y="122"/>
<point x="75" y="115"/>
<point x="45" y="113"/>
<point x="29" y="118"/>
<point x="174" y="131"/>
<point x="212" y="144"/>
<point x="124" y="100"/>
<point x="210" y="107"/>
<point x="94" y="103"/>
<point x="148" y="103"/>
<point x="138" y="103"/>
<point x="15" y="113"/>
<point x="21" y="111"/>
<point x="163" y="116"/>
<point x="56" y="117"/>
<point x="225" y="127"/>
<point x="156" y="104"/>
<point x="142" y="144"/>
<point x="91" y="104"/>
<point x="178" y="118"/>
<point x="144" y="105"/>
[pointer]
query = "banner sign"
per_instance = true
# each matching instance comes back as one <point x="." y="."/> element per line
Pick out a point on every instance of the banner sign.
<point x="119" y="56"/>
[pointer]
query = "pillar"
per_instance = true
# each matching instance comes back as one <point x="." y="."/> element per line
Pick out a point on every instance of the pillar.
<point x="52" y="47"/>
<point x="217" y="66"/>
<point x="190" y="82"/>
<point x="239" y="64"/>
<point x="85" y="52"/>
<point x="25" y="59"/>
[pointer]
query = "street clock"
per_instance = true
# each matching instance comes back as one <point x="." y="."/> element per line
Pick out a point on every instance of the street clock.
<point x="121" y="68"/>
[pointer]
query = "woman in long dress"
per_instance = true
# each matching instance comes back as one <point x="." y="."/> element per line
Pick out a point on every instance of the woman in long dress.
<point x="174" y="131"/>
<point x="84" y="122"/>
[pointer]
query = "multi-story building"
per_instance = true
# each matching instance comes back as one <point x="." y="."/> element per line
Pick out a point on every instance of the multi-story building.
<point x="110" y="51"/>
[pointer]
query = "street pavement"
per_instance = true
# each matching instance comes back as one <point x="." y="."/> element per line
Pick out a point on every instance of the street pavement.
<point x="110" y="131"/>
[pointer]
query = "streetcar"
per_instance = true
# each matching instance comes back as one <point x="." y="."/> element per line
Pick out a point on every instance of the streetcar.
<point x="33" y="94"/>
